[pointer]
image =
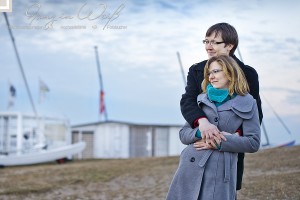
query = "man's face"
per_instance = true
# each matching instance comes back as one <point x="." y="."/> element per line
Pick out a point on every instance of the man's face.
<point x="215" y="49"/>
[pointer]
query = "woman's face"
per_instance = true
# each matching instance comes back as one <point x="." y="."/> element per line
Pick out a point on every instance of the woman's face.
<point x="217" y="77"/>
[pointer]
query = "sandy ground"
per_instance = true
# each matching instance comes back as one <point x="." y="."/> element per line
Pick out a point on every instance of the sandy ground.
<point x="269" y="174"/>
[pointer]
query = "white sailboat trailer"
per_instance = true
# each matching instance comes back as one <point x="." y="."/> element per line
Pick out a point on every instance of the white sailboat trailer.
<point x="28" y="139"/>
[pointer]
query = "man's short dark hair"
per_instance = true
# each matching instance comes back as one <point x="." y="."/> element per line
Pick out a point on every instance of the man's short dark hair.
<point x="228" y="34"/>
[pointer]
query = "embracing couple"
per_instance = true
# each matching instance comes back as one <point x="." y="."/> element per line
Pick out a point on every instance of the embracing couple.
<point x="222" y="109"/>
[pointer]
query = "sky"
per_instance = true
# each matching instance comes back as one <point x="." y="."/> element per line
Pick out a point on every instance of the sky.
<point x="137" y="43"/>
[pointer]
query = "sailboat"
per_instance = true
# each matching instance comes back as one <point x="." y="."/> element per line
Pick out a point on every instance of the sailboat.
<point x="287" y="143"/>
<point x="27" y="139"/>
<point x="267" y="145"/>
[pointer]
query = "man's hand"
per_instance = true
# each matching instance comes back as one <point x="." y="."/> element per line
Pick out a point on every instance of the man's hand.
<point x="209" y="131"/>
<point x="225" y="133"/>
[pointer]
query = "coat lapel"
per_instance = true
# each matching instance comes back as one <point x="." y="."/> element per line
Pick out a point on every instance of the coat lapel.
<point x="240" y="105"/>
<point x="203" y="99"/>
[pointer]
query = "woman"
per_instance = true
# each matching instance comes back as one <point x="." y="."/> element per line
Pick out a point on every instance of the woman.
<point x="206" y="172"/>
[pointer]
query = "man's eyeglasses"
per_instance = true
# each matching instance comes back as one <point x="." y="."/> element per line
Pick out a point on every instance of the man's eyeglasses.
<point x="214" y="72"/>
<point x="212" y="43"/>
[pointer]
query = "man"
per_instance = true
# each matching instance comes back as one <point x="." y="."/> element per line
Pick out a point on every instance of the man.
<point x="220" y="38"/>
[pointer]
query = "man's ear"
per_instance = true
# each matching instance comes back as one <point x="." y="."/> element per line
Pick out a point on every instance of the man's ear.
<point x="229" y="46"/>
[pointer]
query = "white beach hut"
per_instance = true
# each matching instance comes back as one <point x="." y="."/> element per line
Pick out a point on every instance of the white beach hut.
<point x="115" y="139"/>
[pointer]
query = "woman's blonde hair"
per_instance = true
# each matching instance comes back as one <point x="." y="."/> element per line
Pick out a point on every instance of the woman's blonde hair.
<point x="237" y="81"/>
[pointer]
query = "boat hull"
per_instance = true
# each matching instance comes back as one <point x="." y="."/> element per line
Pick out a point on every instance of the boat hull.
<point x="42" y="156"/>
<point x="285" y="144"/>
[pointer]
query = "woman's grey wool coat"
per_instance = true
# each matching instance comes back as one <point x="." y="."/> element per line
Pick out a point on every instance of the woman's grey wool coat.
<point x="211" y="174"/>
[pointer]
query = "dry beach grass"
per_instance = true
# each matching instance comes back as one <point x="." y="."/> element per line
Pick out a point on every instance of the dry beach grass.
<point x="269" y="174"/>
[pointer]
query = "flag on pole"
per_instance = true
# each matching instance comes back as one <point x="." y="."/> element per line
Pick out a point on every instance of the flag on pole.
<point x="12" y="96"/>
<point x="43" y="89"/>
<point x="102" y="104"/>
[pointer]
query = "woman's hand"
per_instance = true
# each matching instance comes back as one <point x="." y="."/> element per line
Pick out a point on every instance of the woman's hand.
<point x="210" y="143"/>
<point x="201" y="144"/>
<point x="205" y="144"/>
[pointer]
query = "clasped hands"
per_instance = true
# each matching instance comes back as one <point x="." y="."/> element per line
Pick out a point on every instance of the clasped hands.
<point x="211" y="137"/>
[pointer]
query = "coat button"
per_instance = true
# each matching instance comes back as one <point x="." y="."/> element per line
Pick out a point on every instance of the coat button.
<point x="192" y="159"/>
<point x="216" y="119"/>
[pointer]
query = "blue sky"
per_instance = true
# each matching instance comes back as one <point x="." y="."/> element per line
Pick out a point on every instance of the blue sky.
<point x="141" y="74"/>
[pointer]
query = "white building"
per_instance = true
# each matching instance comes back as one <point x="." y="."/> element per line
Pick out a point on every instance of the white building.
<point x="115" y="139"/>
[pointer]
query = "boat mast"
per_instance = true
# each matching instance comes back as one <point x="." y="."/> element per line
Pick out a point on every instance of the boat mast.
<point x="102" y="102"/>
<point x="20" y="64"/>
<point x="181" y="68"/>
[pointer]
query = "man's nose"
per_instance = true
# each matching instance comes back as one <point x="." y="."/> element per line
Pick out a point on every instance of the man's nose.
<point x="209" y="46"/>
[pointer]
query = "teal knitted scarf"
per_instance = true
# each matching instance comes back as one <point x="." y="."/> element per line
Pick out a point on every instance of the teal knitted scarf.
<point x="218" y="96"/>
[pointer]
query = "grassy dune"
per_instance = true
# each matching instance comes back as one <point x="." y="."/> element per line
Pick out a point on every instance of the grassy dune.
<point x="269" y="174"/>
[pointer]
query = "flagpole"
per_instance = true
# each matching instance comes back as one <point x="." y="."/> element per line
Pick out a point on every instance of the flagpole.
<point x="102" y="102"/>
<point x="20" y="65"/>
